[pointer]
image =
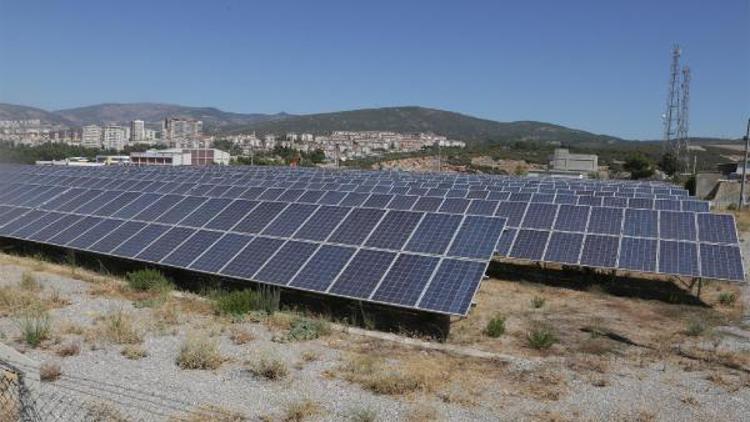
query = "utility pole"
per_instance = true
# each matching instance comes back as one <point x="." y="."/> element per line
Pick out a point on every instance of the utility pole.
<point x="439" y="164"/>
<point x="673" y="99"/>
<point x="744" y="166"/>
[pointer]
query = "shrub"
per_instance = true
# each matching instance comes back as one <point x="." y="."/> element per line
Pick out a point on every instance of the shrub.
<point x="134" y="352"/>
<point x="299" y="411"/>
<point x="49" y="371"/>
<point x="237" y="302"/>
<point x="727" y="298"/>
<point x="35" y="327"/>
<point x="495" y="327"/>
<point x="29" y="282"/>
<point x="541" y="337"/>
<point x="199" y="352"/>
<point x="268" y="299"/>
<point x="148" y="280"/>
<point x="537" y="302"/>
<point x="119" y="328"/>
<point x="380" y="377"/>
<point x="363" y="414"/>
<point x="240" y="336"/>
<point x="695" y="328"/>
<point x="68" y="349"/>
<point x="308" y="329"/>
<point x="269" y="368"/>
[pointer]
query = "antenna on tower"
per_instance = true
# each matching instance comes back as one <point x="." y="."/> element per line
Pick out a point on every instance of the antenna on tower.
<point x="673" y="98"/>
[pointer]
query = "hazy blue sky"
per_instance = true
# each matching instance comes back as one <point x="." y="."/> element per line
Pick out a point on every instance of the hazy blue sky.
<point x="600" y="66"/>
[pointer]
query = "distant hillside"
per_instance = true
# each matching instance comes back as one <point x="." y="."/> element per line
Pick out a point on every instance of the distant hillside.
<point x="213" y="118"/>
<point x="420" y="119"/>
<point x="17" y="112"/>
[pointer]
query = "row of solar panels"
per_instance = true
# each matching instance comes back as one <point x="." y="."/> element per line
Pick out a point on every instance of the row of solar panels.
<point x="663" y="224"/>
<point x="434" y="261"/>
<point x="284" y="174"/>
<point x="624" y="252"/>
<point x="453" y="198"/>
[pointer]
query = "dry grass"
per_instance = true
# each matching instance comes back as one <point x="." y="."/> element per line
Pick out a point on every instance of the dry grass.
<point x="100" y="411"/>
<point x="29" y="282"/>
<point x="240" y="335"/>
<point x="301" y="410"/>
<point x="199" y="351"/>
<point x="382" y="376"/>
<point x="211" y="413"/>
<point x="134" y="351"/>
<point x="269" y="368"/>
<point x="118" y="327"/>
<point x="49" y="371"/>
<point x="68" y="349"/>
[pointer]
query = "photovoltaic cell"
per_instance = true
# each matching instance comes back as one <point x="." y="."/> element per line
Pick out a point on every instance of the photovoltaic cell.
<point x="572" y="218"/>
<point x="191" y="248"/>
<point x="605" y="220"/>
<point x="322" y="223"/>
<point x="134" y="245"/>
<point x="677" y="225"/>
<point x="564" y="247"/>
<point x="428" y="203"/>
<point x="394" y="229"/>
<point x="158" y="208"/>
<point x="716" y="228"/>
<point x="357" y="226"/>
<point x="282" y="267"/>
<point x="204" y="213"/>
<point x="678" y="258"/>
<point x="512" y="211"/>
<point x="221" y="252"/>
<point x="539" y="216"/>
<point x="363" y="273"/>
<point x="600" y="251"/>
<point x="181" y="210"/>
<point x="506" y="241"/>
<point x="454" y="205"/>
<point x="404" y="282"/>
<point x="27" y="230"/>
<point x="55" y="228"/>
<point x="453" y="286"/>
<point x="95" y="233"/>
<point x="638" y="254"/>
<point x="259" y="217"/>
<point x="116" y="237"/>
<point x="529" y="244"/>
<point x="477" y="237"/>
<point x="249" y="261"/>
<point x="482" y="207"/>
<point x="721" y="262"/>
<point x="403" y="202"/>
<point x="434" y="233"/>
<point x="231" y="214"/>
<point x="641" y="223"/>
<point x="321" y="270"/>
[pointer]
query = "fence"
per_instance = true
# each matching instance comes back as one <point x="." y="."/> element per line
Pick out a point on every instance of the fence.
<point x="71" y="398"/>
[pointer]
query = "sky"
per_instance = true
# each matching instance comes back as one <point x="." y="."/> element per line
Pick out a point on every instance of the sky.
<point x="600" y="66"/>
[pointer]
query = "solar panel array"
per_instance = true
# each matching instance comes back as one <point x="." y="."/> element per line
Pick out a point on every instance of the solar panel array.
<point x="405" y="239"/>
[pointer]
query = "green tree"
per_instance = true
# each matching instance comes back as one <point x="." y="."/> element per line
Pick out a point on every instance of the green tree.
<point x="670" y="164"/>
<point x="639" y="166"/>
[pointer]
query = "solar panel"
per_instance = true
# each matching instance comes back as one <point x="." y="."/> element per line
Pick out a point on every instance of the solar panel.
<point x="477" y="237"/>
<point x="362" y="274"/>
<point x="529" y="244"/>
<point x="564" y="247"/>
<point x="678" y="258"/>
<point x="259" y="217"/>
<point x="193" y="247"/>
<point x="453" y="286"/>
<point x="284" y="265"/>
<point x="404" y="282"/>
<point x="135" y="244"/>
<point x="216" y="256"/>
<point x="512" y="211"/>
<point x="252" y="257"/>
<point x="539" y="216"/>
<point x="716" y="228"/>
<point x="572" y="218"/>
<point x="641" y="223"/>
<point x="721" y="261"/>
<point x="434" y="233"/>
<point x="357" y="226"/>
<point x="231" y="214"/>
<point x="677" y="225"/>
<point x="600" y="251"/>
<point x="605" y="220"/>
<point x="638" y="254"/>
<point x="394" y="230"/>
<point x="323" y="267"/>
<point x="115" y="237"/>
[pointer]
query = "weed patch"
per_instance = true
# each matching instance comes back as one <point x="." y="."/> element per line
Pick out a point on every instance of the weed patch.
<point x="495" y="327"/>
<point x="541" y="337"/>
<point x="199" y="352"/>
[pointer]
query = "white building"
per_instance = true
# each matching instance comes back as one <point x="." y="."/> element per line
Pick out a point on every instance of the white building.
<point x="149" y="135"/>
<point x="307" y="137"/>
<point x="137" y="131"/>
<point x="114" y="137"/>
<point x="91" y="136"/>
<point x="563" y="160"/>
<point x="176" y="130"/>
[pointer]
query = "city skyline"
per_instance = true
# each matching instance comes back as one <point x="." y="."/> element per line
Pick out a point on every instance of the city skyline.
<point x="599" y="68"/>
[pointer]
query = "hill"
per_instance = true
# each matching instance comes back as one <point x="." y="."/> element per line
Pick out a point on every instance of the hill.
<point x="419" y="119"/>
<point x="213" y="118"/>
<point x="18" y="112"/>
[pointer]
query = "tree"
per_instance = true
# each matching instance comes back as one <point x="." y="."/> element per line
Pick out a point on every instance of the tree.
<point x="639" y="166"/>
<point x="670" y="164"/>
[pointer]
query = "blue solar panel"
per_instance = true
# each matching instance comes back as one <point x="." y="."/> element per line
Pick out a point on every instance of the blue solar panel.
<point x="290" y="220"/>
<point x="94" y="204"/>
<point x="191" y="248"/>
<point x="453" y="286"/>
<point x="332" y="198"/>
<point x="158" y="208"/>
<point x="231" y="215"/>
<point x="322" y="223"/>
<point x="221" y="252"/>
<point x="285" y="264"/>
<point x="271" y="194"/>
<point x="428" y="204"/>
<point x="134" y="245"/>
<point x="539" y="216"/>
<point x="572" y="218"/>
<point x="721" y="262"/>
<point x="717" y="228"/>
<point x="403" y="202"/>
<point x="677" y="225"/>
<point x="378" y="200"/>
<point x="260" y="217"/>
<point x="594" y="201"/>
<point x="95" y="233"/>
<point x="482" y="207"/>
<point x="498" y="196"/>
<point x="394" y="230"/>
<point x="512" y="211"/>
<point x="55" y="228"/>
<point x="181" y="210"/>
<point x="600" y="251"/>
<point x="605" y="220"/>
<point x="165" y="244"/>
<point x="354" y="199"/>
<point x="529" y="244"/>
<point x="695" y="206"/>
<point x="252" y="258"/>
<point x="641" y="223"/>
<point x="520" y="197"/>
<point x="290" y="195"/>
<point x="678" y="258"/>
<point x="253" y="193"/>
<point x="405" y="281"/>
<point x="115" y="237"/>
<point x="615" y="201"/>
<point x="39" y="223"/>
<point x="204" y="213"/>
<point x="477" y="237"/>
<point x="543" y="197"/>
<point x="564" y="247"/>
<point x="363" y="273"/>
<point x="357" y="226"/>
<point x="79" y="201"/>
<point x="321" y="270"/>
<point x="638" y="254"/>
<point x="311" y="196"/>
<point x="566" y="199"/>
<point x="646" y="203"/>
<point x="454" y="205"/>
<point x="434" y="233"/>
<point x="117" y="204"/>
<point x="506" y="241"/>
<point x="667" y="204"/>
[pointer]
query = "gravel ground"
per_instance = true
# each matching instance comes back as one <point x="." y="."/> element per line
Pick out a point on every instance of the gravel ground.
<point x="154" y="387"/>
